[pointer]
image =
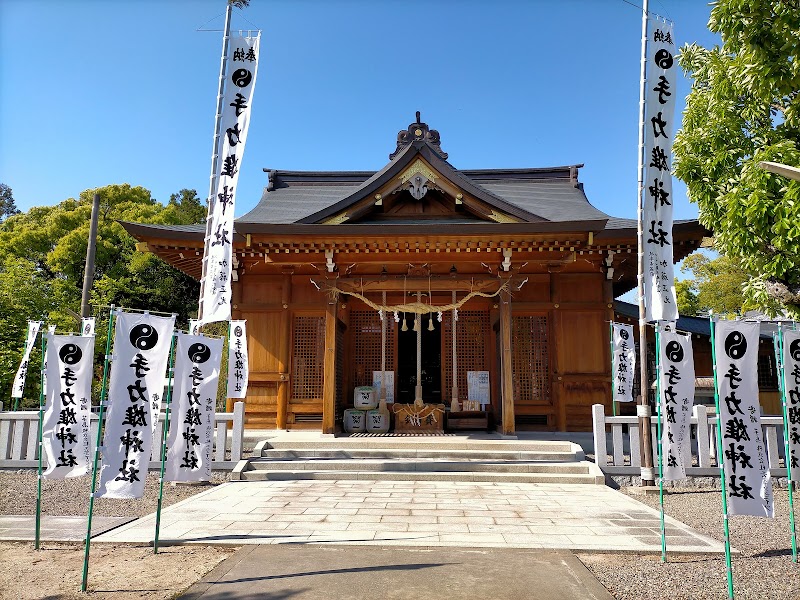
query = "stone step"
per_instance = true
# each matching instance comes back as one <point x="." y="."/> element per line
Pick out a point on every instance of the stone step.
<point x="464" y="476"/>
<point x="420" y="465"/>
<point x="420" y="443"/>
<point x="413" y="454"/>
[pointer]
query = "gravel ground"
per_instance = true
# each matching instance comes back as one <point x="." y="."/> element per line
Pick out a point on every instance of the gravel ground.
<point x="763" y="569"/>
<point x="71" y="496"/>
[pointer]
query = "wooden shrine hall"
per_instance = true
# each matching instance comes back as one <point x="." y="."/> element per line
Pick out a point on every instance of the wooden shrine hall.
<point x="435" y="276"/>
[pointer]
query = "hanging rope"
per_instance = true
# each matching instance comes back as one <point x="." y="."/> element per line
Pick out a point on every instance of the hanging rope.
<point x="417" y="308"/>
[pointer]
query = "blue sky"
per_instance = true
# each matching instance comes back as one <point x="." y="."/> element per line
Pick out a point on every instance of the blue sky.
<point x="97" y="92"/>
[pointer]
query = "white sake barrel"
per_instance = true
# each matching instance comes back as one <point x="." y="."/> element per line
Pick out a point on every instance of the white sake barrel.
<point x="364" y="398"/>
<point x="355" y="420"/>
<point x="377" y="421"/>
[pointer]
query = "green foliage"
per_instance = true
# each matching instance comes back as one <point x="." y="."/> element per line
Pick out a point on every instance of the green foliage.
<point x="686" y="295"/>
<point x="43" y="259"/>
<point x="744" y="108"/>
<point x="7" y="205"/>
<point x="717" y="285"/>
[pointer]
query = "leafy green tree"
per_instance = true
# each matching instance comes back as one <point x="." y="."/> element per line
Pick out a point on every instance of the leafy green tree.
<point x="717" y="284"/>
<point x="744" y="108"/>
<point x="686" y="295"/>
<point x="43" y="254"/>
<point x="7" y="205"/>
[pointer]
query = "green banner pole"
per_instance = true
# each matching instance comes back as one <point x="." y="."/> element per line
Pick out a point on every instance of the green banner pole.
<point x="613" y="375"/>
<point x="660" y="442"/>
<point x="39" y="446"/>
<point x="787" y="451"/>
<point x="164" y="437"/>
<point x="721" y="462"/>
<point x="100" y="415"/>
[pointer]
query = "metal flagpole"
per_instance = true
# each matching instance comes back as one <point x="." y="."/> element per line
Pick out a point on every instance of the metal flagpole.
<point x="215" y="151"/>
<point x="164" y="437"/>
<point x="97" y="448"/>
<point x="721" y="462"/>
<point x="659" y="441"/>
<point x="643" y="409"/>
<point x="787" y="454"/>
<point x="613" y="375"/>
<point x="40" y="446"/>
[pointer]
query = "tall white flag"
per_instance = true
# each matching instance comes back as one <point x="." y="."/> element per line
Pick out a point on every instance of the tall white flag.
<point x="677" y="397"/>
<point x="238" y="368"/>
<point x="194" y="400"/>
<point x="747" y="479"/>
<point x="623" y="362"/>
<point x="68" y="406"/>
<point x="237" y="101"/>
<point x="138" y="369"/>
<point x="791" y="378"/>
<point x="22" y="371"/>
<point x="662" y="76"/>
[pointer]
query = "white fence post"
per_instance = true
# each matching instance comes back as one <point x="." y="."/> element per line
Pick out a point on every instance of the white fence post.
<point x="700" y="413"/>
<point x="237" y="435"/>
<point x="599" y="427"/>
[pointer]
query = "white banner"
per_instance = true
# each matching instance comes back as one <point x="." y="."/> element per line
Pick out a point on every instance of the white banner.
<point x="237" y="101"/>
<point x="747" y="480"/>
<point x="22" y="371"/>
<point x="68" y="406"/>
<point x="662" y="78"/>
<point x="238" y="368"/>
<point x="623" y="363"/>
<point x="791" y="380"/>
<point x="87" y="326"/>
<point x="194" y="399"/>
<point x="677" y="397"/>
<point x="138" y="369"/>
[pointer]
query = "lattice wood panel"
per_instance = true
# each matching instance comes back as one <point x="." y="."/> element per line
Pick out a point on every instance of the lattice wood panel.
<point x="308" y="357"/>
<point x="530" y="360"/>
<point x="365" y="345"/>
<point x="472" y="335"/>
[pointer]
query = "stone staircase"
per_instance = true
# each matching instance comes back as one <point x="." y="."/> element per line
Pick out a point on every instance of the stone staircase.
<point x="446" y="458"/>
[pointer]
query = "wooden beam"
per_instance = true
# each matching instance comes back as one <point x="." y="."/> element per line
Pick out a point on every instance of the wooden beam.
<point x="284" y="352"/>
<point x="506" y="378"/>
<point x="329" y="372"/>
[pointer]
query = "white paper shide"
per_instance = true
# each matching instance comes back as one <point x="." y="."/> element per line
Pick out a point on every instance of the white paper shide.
<point x="662" y="76"/>
<point x="191" y="428"/>
<point x="242" y="61"/>
<point x="677" y="397"/>
<point x="22" y="372"/>
<point x="87" y="326"/>
<point x="623" y="362"/>
<point x="238" y="368"/>
<point x="66" y="426"/>
<point x="791" y="380"/>
<point x="139" y="365"/>
<point x="747" y="479"/>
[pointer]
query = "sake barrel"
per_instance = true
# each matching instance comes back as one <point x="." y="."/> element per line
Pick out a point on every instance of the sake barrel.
<point x="364" y="398"/>
<point x="377" y="421"/>
<point x="355" y="420"/>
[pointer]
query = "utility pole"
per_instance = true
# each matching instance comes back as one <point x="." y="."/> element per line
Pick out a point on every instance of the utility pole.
<point x="88" y="273"/>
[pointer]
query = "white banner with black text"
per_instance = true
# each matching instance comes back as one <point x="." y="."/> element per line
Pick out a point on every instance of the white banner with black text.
<point x="677" y="397"/>
<point x="791" y="379"/>
<point x="747" y="479"/>
<point x="659" y="126"/>
<point x="240" y="84"/>
<point x="138" y="370"/>
<point x="66" y="430"/>
<point x="22" y="371"/>
<point x="238" y="367"/>
<point x="623" y="362"/>
<point x="194" y="399"/>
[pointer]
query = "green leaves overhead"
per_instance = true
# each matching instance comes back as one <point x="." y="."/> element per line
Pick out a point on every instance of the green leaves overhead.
<point x="744" y="108"/>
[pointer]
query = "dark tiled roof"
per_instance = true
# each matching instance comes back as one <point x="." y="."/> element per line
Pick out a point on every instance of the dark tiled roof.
<point x="696" y="325"/>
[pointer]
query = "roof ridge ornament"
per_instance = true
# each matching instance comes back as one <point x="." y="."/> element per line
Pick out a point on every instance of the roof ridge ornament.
<point x="419" y="132"/>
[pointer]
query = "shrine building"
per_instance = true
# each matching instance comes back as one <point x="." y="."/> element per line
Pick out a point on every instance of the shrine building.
<point x="343" y="276"/>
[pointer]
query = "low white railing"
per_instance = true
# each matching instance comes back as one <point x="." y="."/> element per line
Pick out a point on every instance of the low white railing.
<point x="623" y="439"/>
<point x="19" y="432"/>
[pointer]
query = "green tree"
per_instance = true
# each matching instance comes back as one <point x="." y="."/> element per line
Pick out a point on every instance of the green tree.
<point x="717" y="284"/>
<point x="43" y="253"/>
<point x="7" y="205"/>
<point x="686" y="295"/>
<point x="744" y="108"/>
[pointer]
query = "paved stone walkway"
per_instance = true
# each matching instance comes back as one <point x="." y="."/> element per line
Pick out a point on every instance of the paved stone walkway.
<point x="55" y="528"/>
<point x="416" y="513"/>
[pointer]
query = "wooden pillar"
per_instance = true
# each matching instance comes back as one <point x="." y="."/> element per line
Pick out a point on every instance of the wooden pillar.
<point x="329" y="372"/>
<point x="506" y="380"/>
<point x="284" y="352"/>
